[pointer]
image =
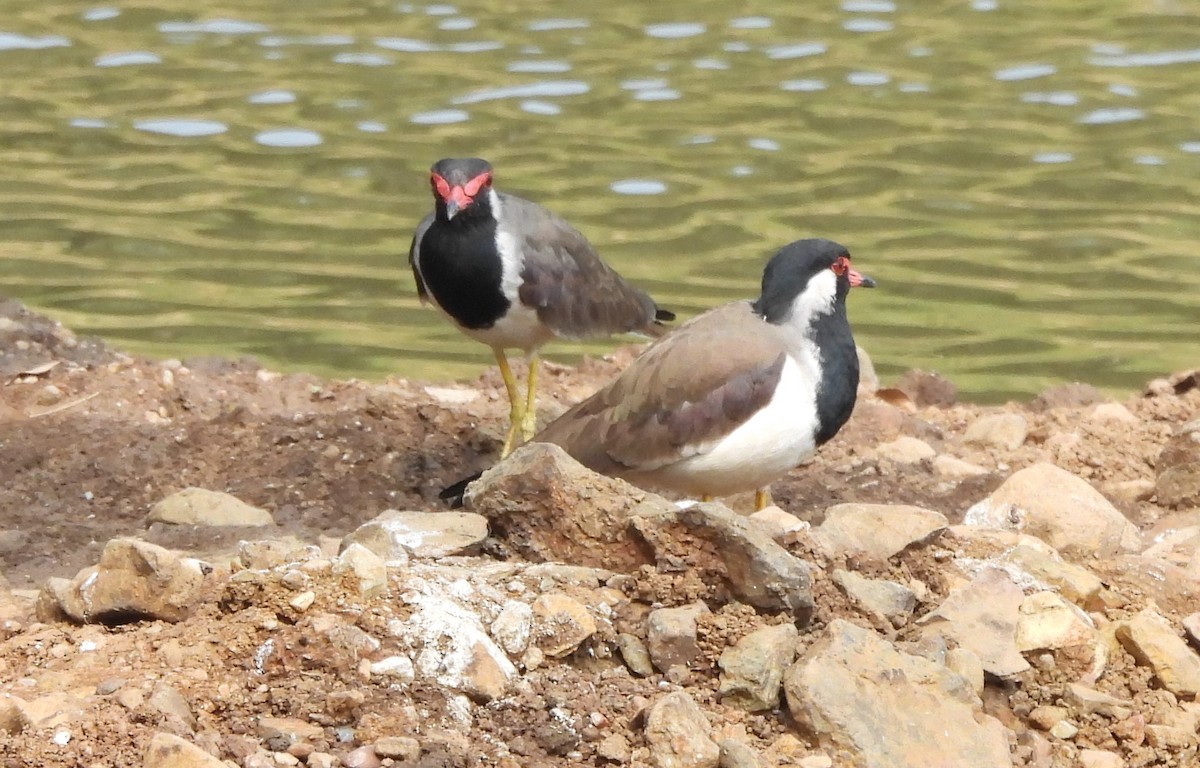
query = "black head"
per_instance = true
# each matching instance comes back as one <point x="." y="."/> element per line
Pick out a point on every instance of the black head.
<point x="458" y="181"/>
<point x="819" y="269"/>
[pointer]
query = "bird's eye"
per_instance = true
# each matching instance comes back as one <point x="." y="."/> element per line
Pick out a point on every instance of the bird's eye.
<point x="840" y="266"/>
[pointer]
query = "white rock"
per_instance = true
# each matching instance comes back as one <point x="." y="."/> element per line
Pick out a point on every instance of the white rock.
<point x="1048" y="621"/>
<point x="200" y="506"/>
<point x="512" y="626"/>
<point x="877" y="530"/>
<point x="905" y="450"/>
<point x="1002" y="430"/>
<point x="1059" y="508"/>
<point x="983" y="618"/>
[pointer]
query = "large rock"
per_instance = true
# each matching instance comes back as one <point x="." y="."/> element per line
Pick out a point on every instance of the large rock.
<point x="671" y="636"/>
<point x="397" y="536"/>
<point x="560" y="624"/>
<point x="855" y="692"/>
<point x="758" y="570"/>
<point x="169" y="751"/>
<point x="1048" y="621"/>
<point x="1178" y="465"/>
<point x="134" y="580"/>
<point x="752" y="671"/>
<point x="1151" y="639"/>
<point x="678" y="734"/>
<point x="877" y="530"/>
<point x="549" y="507"/>
<point x="200" y="506"/>
<point x="1076" y="583"/>
<point x="887" y="599"/>
<point x="1006" y="431"/>
<point x="1059" y="508"/>
<point x="982" y="617"/>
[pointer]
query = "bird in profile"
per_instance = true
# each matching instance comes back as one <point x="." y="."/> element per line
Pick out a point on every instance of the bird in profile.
<point x="734" y="398"/>
<point x="511" y="274"/>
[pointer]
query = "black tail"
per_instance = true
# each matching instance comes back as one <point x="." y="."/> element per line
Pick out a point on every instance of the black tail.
<point x="663" y="315"/>
<point x="453" y="494"/>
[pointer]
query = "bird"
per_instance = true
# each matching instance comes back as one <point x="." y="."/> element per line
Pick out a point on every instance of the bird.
<point x="513" y="275"/>
<point x="733" y="398"/>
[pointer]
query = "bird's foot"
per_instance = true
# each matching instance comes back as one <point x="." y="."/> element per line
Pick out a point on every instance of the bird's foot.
<point x="762" y="498"/>
<point x="510" y="436"/>
<point x="528" y="425"/>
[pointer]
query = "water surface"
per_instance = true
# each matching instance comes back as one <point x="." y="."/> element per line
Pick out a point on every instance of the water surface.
<point x="1021" y="179"/>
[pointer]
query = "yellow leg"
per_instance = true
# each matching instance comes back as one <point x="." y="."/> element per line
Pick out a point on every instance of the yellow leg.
<point x="705" y="497"/>
<point x="529" y="422"/>
<point x="760" y="499"/>
<point x="515" y="411"/>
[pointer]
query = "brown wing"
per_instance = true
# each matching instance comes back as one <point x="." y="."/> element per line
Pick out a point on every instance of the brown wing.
<point x="574" y="292"/>
<point x="682" y="395"/>
<point x="414" y="251"/>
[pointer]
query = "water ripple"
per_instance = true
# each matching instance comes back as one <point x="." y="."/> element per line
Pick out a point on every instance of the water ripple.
<point x="439" y="117"/>
<point x="675" y="30"/>
<point x="213" y="27"/>
<point x="638" y="187"/>
<point x="1057" y="98"/>
<point x="181" y="126"/>
<point x="1024" y="72"/>
<point x="544" y="89"/>
<point x="279" y="41"/>
<point x="288" y="137"/>
<point x="11" y="41"/>
<point x="1156" y="59"/>
<point x="795" y="50"/>
<point x="129" y="58"/>
<point x="103" y="13"/>
<point x="1112" y="115"/>
<point x="553" y="25"/>
<point x="751" y="22"/>
<point x="538" y="67"/>
<point x="535" y="107"/>
<point x="803" y="86"/>
<point x="868" y="6"/>
<point x="868" y="25"/>
<point x="362" y="59"/>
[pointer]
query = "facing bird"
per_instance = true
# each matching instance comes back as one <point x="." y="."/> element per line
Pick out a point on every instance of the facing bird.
<point x="734" y="398"/>
<point x="511" y="274"/>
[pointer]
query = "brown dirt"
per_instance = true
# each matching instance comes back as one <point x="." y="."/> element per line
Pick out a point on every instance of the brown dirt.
<point x="90" y="438"/>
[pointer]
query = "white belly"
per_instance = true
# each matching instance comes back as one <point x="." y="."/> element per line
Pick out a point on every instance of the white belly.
<point x="772" y="442"/>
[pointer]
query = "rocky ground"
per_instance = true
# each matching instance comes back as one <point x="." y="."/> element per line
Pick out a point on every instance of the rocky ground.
<point x="205" y="563"/>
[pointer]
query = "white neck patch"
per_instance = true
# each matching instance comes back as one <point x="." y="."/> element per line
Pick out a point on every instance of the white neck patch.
<point x="817" y="298"/>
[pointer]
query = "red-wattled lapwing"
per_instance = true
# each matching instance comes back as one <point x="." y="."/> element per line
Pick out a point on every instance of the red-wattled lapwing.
<point x="513" y="275"/>
<point x="734" y="398"/>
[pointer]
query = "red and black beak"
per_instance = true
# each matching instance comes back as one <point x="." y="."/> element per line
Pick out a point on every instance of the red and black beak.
<point x="859" y="280"/>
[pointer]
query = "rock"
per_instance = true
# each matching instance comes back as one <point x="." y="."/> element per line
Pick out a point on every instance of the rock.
<point x="170" y="703"/>
<point x="894" y="602"/>
<point x="905" y="450"/>
<point x="1005" y="431"/>
<point x="288" y="730"/>
<point x="394" y="669"/>
<point x="927" y="388"/>
<point x="560" y="624"/>
<point x="363" y="757"/>
<point x="868" y="380"/>
<point x="954" y="468"/>
<point x="1046" y="717"/>
<point x="1151" y="639"/>
<point x="398" y="748"/>
<point x="397" y="536"/>
<point x="134" y="580"/>
<point x="367" y="567"/>
<point x="1073" y="395"/>
<point x="613" y="748"/>
<point x="735" y="754"/>
<point x="450" y="644"/>
<point x="1048" y="621"/>
<point x="671" y="635"/>
<point x="1089" y="701"/>
<point x="776" y="523"/>
<point x="1077" y="584"/>
<point x="982" y="617"/>
<point x="549" y="507"/>
<point x="877" y="530"/>
<point x="1191" y="625"/>
<point x="1058" y="508"/>
<point x="1179" y="486"/>
<point x="759" y="571"/>
<point x="1098" y="758"/>
<point x="200" y="506"/>
<point x="855" y="692"/>
<point x="13" y="719"/>
<point x="677" y="734"/>
<point x="967" y="665"/>
<point x="169" y="751"/>
<point x="1064" y="730"/>
<point x="635" y="654"/>
<point x="264" y="554"/>
<point x="512" y="626"/>
<point x="1111" y="412"/>
<point x="752" y="671"/>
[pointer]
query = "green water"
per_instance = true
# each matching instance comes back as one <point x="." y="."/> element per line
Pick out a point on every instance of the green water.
<point x="1023" y="179"/>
